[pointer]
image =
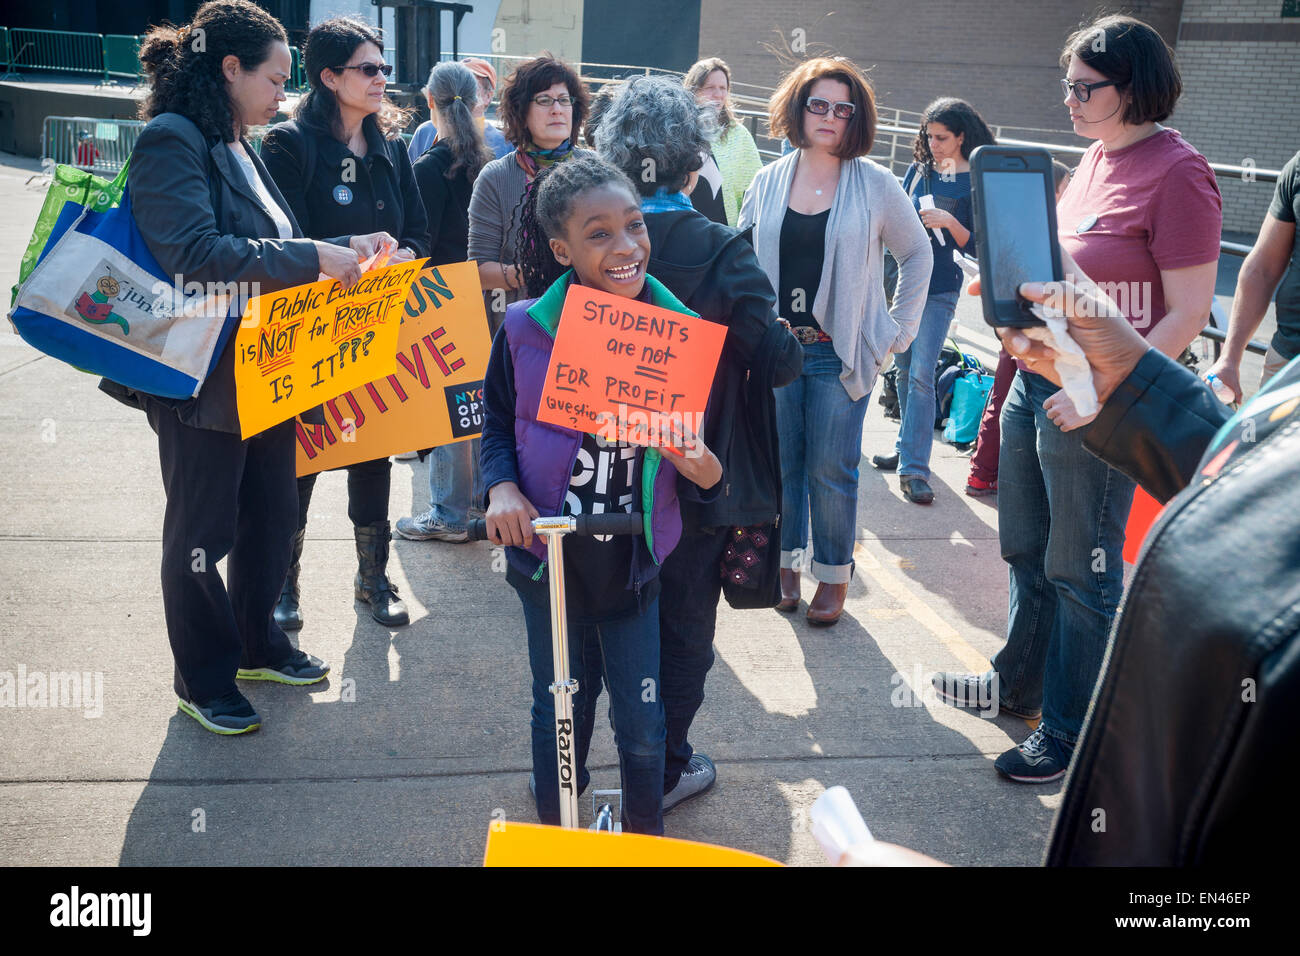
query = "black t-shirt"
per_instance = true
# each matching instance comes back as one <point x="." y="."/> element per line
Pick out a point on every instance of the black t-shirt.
<point x="706" y="197"/>
<point x="1286" y="207"/>
<point x="803" y="249"/>
<point x="597" y="570"/>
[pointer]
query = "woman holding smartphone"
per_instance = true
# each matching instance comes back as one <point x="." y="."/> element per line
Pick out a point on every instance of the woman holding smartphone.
<point x="1141" y="217"/>
<point x="342" y="166"/>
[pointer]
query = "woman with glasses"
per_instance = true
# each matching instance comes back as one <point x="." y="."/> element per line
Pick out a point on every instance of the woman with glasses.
<point x="1141" y="217"/>
<point x="543" y="105"/>
<point x="821" y="217"/>
<point x="733" y="159"/>
<point x="950" y="131"/>
<point x="342" y="166"/>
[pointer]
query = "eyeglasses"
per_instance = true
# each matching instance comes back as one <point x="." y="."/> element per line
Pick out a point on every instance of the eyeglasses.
<point x="820" y="107"/>
<point x="545" y="100"/>
<point x="1083" y="91"/>
<point x="371" y="70"/>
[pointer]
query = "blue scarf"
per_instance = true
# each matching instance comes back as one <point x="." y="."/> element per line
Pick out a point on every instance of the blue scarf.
<point x="664" y="201"/>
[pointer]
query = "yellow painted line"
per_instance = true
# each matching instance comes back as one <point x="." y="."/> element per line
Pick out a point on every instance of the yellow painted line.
<point x="923" y="614"/>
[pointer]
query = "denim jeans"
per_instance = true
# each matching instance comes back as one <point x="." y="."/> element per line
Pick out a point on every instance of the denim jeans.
<point x="820" y="429"/>
<point x="688" y="616"/>
<point x="629" y="657"/>
<point x="455" y="482"/>
<point x="1062" y="514"/>
<point x="916" y="400"/>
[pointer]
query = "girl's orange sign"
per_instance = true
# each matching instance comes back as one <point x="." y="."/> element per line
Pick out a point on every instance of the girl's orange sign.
<point x="629" y="364"/>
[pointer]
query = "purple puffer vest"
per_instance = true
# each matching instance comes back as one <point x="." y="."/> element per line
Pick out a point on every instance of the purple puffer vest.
<point x="546" y="453"/>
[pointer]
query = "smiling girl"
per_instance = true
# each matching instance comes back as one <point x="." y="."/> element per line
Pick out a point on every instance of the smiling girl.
<point x="591" y="219"/>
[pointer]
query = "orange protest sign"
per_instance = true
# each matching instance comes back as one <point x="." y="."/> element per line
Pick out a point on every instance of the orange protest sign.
<point x="530" y="844"/>
<point x="307" y="344"/>
<point x="434" y="397"/>
<point x="1141" y="517"/>
<point x="626" y="362"/>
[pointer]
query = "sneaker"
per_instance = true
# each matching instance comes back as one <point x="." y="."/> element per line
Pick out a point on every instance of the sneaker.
<point x="1042" y="758"/>
<point x="407" y="456"/>
<point x="977" y="488"/>
<point x="698" y="777"/>
<point x="885" y="462"/>
<point x="427" y="527"/>
<point x="231" y="714"/>
<point x="973" y="691"/>
<point x="301" y="668"/>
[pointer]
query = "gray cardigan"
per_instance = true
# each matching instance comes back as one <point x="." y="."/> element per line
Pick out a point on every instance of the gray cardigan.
<point x="870" y="212"/>
<point x="494" y="211"/>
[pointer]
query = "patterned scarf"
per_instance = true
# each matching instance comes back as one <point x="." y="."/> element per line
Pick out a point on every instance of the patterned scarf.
<point x="532" y="160"/>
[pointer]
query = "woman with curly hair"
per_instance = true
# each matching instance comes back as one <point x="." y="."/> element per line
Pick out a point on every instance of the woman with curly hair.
<point x="543" y="105"/>
<point x="209" y="212"/>
<point x="733" y="160"/>
<point x="342" y="166"/>
<point x="950" y="131"/>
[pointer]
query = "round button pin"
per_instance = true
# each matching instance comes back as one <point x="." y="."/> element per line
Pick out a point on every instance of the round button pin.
<point x="342" y="195"/>
<point x="1086" y="223"/>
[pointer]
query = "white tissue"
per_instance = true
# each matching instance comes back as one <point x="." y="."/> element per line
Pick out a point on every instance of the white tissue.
<point x="926" y="201"/>
<point x="1071" y="363"/>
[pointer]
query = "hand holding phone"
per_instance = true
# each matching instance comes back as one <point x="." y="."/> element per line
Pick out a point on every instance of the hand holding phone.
<point x="1014" y="198"/>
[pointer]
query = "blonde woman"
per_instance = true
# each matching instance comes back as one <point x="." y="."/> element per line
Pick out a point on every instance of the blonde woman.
<point x="733" y="160"/>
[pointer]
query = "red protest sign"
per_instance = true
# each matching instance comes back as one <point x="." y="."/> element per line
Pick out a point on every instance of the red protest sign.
<point x="629" y="365"/>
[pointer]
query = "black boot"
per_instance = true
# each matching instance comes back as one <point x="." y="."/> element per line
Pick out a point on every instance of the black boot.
<point x="372" y="584"/>
<point x="287" y="612"/>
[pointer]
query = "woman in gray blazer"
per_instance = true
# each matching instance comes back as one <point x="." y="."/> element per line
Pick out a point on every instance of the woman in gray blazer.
<point x="821" y="217"/>
<point x="211" y="214"/>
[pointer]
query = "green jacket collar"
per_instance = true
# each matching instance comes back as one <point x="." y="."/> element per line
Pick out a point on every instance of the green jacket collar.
<point x="546" y="310"/>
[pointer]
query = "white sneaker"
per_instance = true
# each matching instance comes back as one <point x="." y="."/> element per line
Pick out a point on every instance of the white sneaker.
<point x="700" y="774"/>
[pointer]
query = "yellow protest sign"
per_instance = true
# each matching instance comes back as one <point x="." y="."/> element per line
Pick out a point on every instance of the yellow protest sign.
<point x="434" y="397"/>
<point x="299" y="347"/>
<point x="530" y="844"/>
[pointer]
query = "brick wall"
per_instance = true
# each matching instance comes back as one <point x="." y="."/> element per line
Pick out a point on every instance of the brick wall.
<point x="1241" y="97"/>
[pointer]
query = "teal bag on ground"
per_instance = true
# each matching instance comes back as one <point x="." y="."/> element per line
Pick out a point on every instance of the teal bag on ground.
<point x="969" y="394"/>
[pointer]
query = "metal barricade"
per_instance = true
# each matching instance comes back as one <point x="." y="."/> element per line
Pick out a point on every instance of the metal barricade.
<point x="56" y="50"/>
<point x="121" y="56"/>
<point x="98" y="145"/>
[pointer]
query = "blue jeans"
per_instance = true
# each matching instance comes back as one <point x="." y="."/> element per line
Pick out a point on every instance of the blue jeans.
<point x="629" y="657"/>
<point x="1061" y="526"/>
<point x="820" y="429"/>
<point x="916" y="400"/>
<point x="455" y="482"/>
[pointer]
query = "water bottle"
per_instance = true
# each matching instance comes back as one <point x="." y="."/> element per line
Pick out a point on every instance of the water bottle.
<point x="1221" y="390"/>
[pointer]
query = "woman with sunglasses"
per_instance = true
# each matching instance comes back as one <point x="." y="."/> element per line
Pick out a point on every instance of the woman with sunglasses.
<point x="821" y="217"/>
<point x="950" y="131"/>
<point x="1141" y="217"/>
<point x="543" y="106"/>
<point x="343" y="168"/>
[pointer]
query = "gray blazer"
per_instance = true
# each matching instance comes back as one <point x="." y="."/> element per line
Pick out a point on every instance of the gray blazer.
<point x="202" y="221"/>
<point x="869" y="212"/>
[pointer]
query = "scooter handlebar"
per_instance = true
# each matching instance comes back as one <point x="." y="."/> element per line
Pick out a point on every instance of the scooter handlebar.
<point x="618" y="522"/>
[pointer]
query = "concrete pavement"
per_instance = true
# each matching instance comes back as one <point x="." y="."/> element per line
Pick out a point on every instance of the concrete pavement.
<point x="421" y="733"/>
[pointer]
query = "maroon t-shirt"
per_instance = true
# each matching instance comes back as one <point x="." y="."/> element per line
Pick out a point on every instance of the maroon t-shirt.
<point x="1132" y="212"/>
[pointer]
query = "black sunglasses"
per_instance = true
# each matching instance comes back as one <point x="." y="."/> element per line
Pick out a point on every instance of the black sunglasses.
<point x="371" y="70"/>
<point x="1083" y="91"/>
<point x="820" y="107"/>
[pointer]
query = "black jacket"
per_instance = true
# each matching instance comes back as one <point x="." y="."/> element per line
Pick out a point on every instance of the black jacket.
<point x="333" y="197"/>
<point x="714" y="271"/>
<point x="1185" y="746"/>
<point x="202" y="221"/>
<point x="446" y="203"/>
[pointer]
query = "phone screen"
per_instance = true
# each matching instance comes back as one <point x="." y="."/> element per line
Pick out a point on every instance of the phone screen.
<point x="1018" y="242"/>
